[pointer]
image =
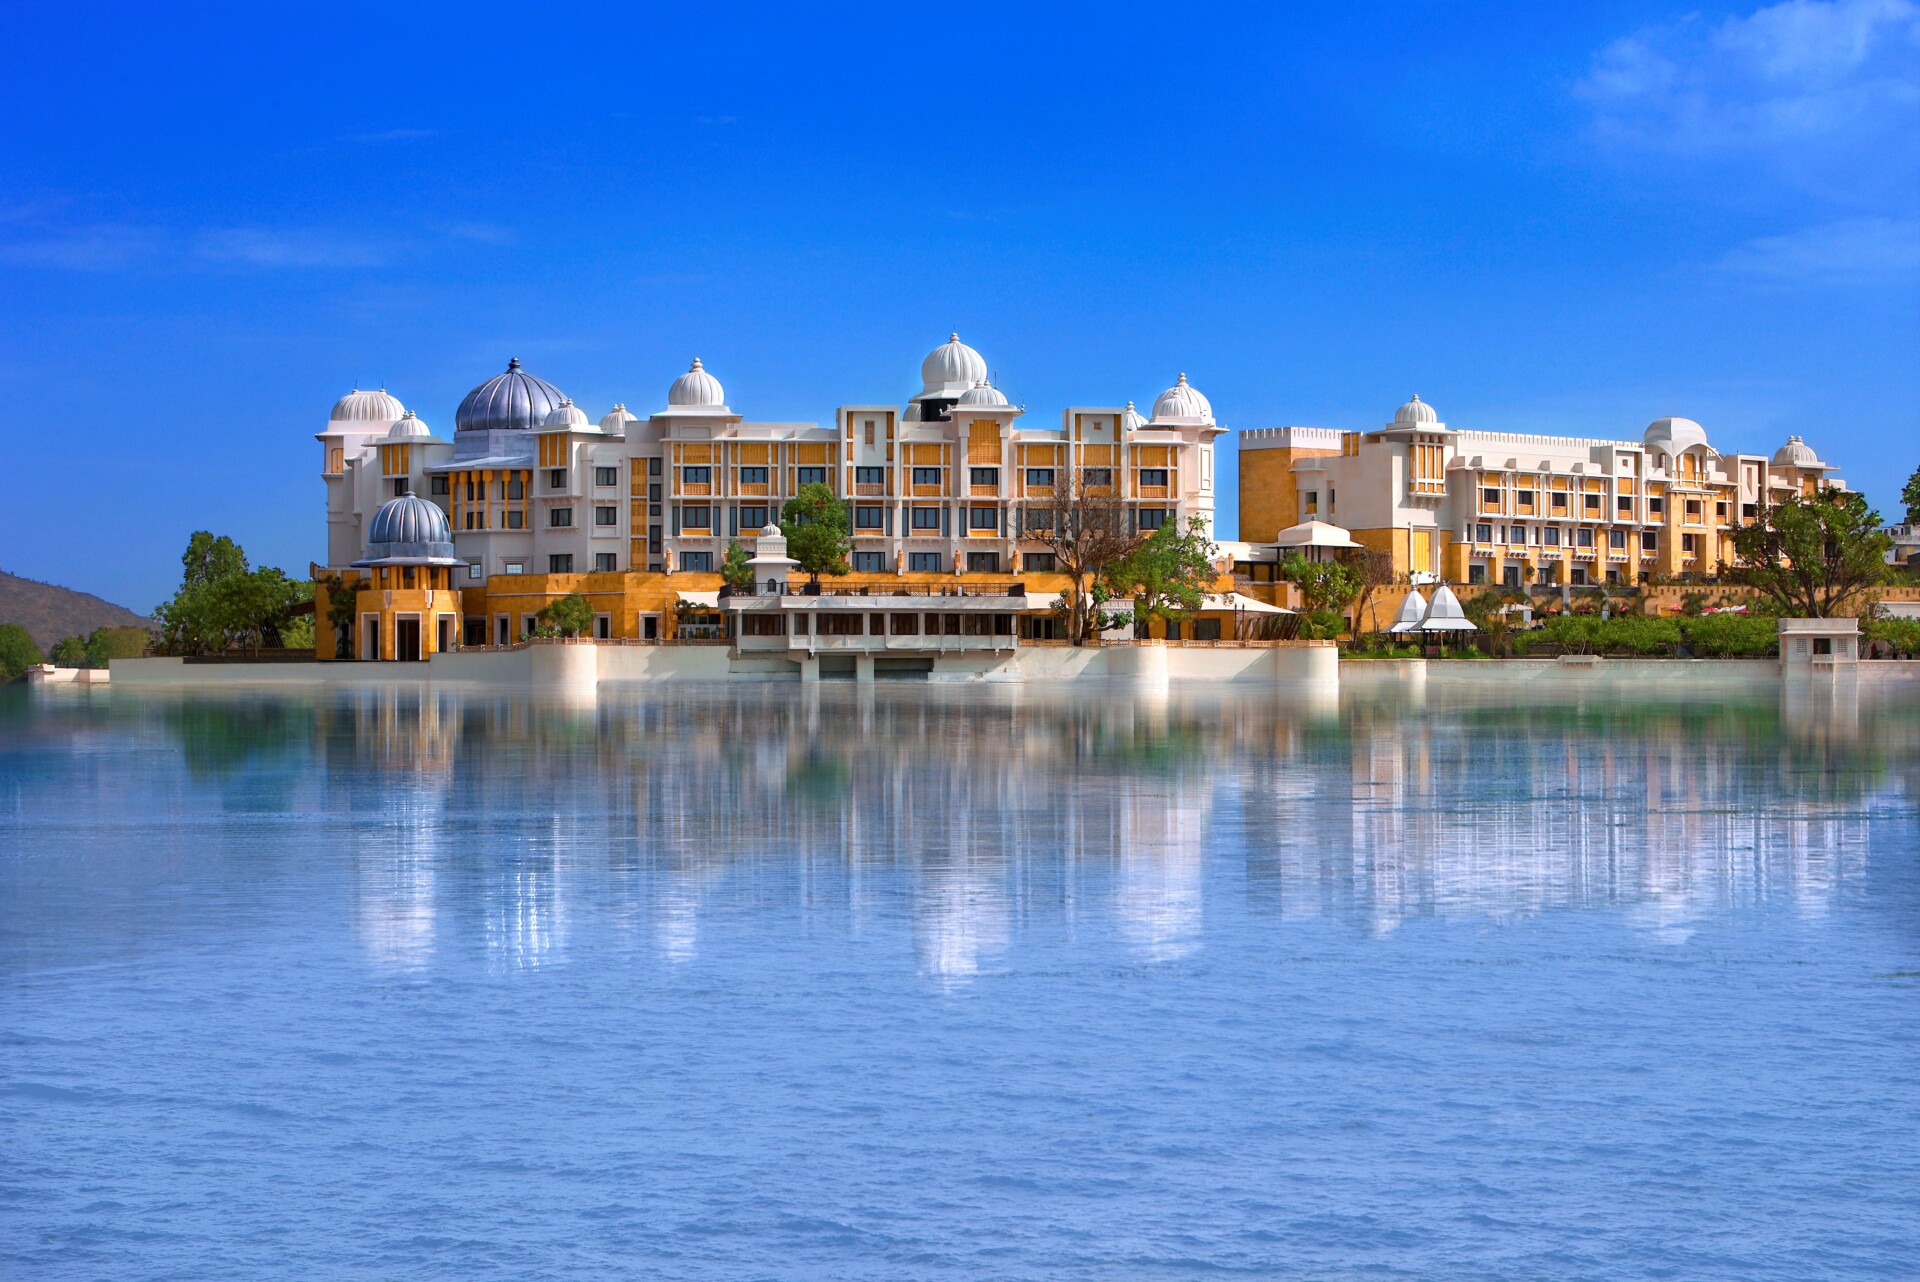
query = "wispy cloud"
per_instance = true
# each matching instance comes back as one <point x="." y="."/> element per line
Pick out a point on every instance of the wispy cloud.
<point x="1851" y="251"/>
<point x="98" y="247"/>
<point x="32" y="238"/>
<point x="1804" y="73"/>
<point x="287" y="247"/>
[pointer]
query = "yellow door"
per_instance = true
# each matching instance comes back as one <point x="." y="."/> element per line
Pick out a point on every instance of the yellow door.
<point x="1421" y="555"/>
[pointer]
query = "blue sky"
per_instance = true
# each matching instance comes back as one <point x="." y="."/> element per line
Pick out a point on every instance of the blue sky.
<point x="1556" y="218"/>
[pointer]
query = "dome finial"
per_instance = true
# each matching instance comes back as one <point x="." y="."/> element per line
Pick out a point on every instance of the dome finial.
<point x="1183" y="378"/>
<point x="513" y="362"/>
<point x="954" y="337"/>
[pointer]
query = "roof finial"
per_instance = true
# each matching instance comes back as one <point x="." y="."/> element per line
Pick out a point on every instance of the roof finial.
<point x="696" y="363"/>
<point x="513" y="363"/>
<point x="954" y="337"/>
<point x="1183" y="378"/>
<point x="1416" y="396"/>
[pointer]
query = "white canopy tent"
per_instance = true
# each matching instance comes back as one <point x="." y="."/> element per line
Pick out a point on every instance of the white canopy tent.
<point x="1243" y="604"/>
<point x="1413" y="609"/>
<point x="1445" y="614"/>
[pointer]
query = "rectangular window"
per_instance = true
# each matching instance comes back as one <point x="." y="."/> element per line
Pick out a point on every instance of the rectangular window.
<point x="1687" y="543"/>
<point x="605" y="562"/>
<point x="753" y="517"/>
<point x="1592" y="504"/>
<point x="1483" y="534"/>
<point x="983" y="476"/>
<point x="605" y="515"/>
<point x="559" y="517"/>
<point x="1550" y="537"/>
<point x="513" y="567"/>
<point x="696" y="518"/>
<point x="1656" y="507"/>
<point x="1617" y="540"/>
<point x="556" y="478"/>
<point x="1155" y="476"/>
<point x="696" y="476"/>
<point x="1559" y="502"/>
<point x="1039" y="563"/>
<point x="1040" y="477"/>
<point x="1583" y="537"/>
<point x="1525" y="497"/>
<point x="926" y="476"/>
<point x="1693" y="511"/>
<point x="924" y="518"/>
<point x="1152" y="518"/>
<point x="696" y="562"/>
<point x="653" y="492"/>
<point x="1624" y="505"/>
<point x="983" y="563"/>
<point x="1490" y="497"/>
<point x="1649" y="541"/>
<point x="438" y="485"/>
<point x="560" y="563"/>
<point x="516" y="519"/>
<point x="861" y="475"/>
<point x="606" y="476"/>
<point x="812" y="475"/>
<point x="1096" y="476"/>
<point x="1517" y="536"/>
<point x="1720" y="510"/>
<point x="1476" y="574"/>
<point x="400" y="486"/>
<point x="763" y="625"/>
<point x="1206" y="629"/>
<point x="870" y="562"/>
<point x="753" y="476"/>
<point x="653" y="467"/>
<point x="905" y="625"/>
<point x="1312" y="497"/>
<point x="983" y="518"/>
<point x="842" y="625"/>
<point x="475" y="572"/>
<point x="869" y="517"/>
<point x="653" y="541"/>
<point x="923" y="562"/>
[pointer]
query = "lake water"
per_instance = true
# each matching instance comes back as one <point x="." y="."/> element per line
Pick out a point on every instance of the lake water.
<point x="923" y="982"/>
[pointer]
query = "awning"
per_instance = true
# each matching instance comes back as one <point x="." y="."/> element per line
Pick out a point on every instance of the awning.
<point x="1243" y="604"/>
<point x="1041" y="602"/>
<point x="707" y="600"/>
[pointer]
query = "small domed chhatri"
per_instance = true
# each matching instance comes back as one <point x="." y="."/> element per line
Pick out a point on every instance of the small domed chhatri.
<point x="409" y="428"/>
<point x="511" y="401"/>
<point x="567" y="417"/>
<point x="616" y="420"/>
<point x="1182" y="403"/>
<point x="1415" y="412"/>
<point x="409" y="531"/>
<point x="983" y="393"/>
<point x="696" y="389"/>
<point x="1797" y="453"/>
<point x="367" y="407"/>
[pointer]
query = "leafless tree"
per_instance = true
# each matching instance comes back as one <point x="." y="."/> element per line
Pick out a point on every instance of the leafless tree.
<point x="1086" y="529"/>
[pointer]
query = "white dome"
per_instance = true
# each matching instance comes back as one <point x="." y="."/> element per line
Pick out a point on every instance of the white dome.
<point x="616" y="420"/>
<point x="567" y="417"/>
<point x="983" y="393"/>
<point x="1415" y="412"/>
<point x="367" y="407"/>
<point x="697" y="389"/>
<point x="408" y="428"/>
<point x="1674" y="434"/>
<point x="952" y="368"/>
<point x="1130" y="420"/>
<point x="1182" y="401"/>
<point x="1796" y="453"/>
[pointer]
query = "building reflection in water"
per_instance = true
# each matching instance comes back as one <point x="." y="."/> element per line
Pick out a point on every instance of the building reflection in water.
<point x="966" y="817"/>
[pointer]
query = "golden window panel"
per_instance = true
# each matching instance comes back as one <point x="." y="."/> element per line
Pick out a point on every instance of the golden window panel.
<point x="812" y="455"/>
<point x="983" y="442"/>
<point x="754" y="453"/>
<point x="925" y="455"/>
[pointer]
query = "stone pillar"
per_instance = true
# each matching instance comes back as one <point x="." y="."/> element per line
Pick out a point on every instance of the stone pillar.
<point x="863" y="669"/>
<point x="809" y="670"/>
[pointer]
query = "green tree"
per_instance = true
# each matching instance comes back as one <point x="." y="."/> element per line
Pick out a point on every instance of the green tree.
<point x="735" y="570"/>
<point x="211" y="557"/>
<point x="571" y="615"/>
<point x="1812" y="556"/>
<point x="1168" y="573"/>
<point x="104" y="645"/>
<point x="1085" y="528"/>
<point x="342" y="603"/>
<point x="1325" y="586"/>
<point x="17" y="651"/>
<point x="69" y="652"/>
<point x="816" y="526"/>
<point x="1910" y="495"/>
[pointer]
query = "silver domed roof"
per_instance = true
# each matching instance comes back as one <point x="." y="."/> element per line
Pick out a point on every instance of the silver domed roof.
<point x="409" y="531"/>
<point x="513" y="401"/>
<point x="367" y="407"/>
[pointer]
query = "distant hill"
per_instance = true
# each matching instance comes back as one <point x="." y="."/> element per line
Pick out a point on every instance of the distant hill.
<point x="49" y="613"/>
